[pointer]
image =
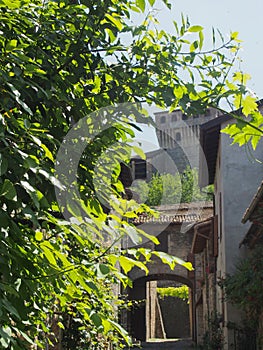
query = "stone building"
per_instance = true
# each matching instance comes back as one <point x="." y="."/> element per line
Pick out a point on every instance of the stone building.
<point x="178" y="137"/>
<point x="174" y="230"/>
<point x="253" y="239"/>
<point x="235" y="176"/>
<point x="176" y="128"/>
<point x="205" y="251"/>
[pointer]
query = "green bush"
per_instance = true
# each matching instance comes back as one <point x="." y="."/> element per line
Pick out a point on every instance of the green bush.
<point x="244" y="287"/>
<point x="176" y="292"/>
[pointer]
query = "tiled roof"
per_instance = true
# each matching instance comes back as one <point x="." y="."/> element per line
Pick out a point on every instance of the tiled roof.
<point x="254" y="207"/>
<point x="178" y="213"/>
<point x="254" y="214"/>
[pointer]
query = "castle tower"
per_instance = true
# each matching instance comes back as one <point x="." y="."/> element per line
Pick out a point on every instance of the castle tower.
<point x="178" y="137"/>
<point x="176" y="128"/>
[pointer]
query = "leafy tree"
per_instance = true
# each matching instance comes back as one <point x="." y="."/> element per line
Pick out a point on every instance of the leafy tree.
<point x="172" y="189"/>
<point x="181" y="292"/>
<point x="61" y="61"/>
<point x="248" y="128"/>
<point x="244" y="287"/>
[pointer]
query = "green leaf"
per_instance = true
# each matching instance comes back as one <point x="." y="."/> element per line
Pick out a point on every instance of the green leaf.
<point x="102" y="270"/>
<point x="52" y="179"/>
<point x="194" y="46"/>
<point x="234" y="35"/>
<point x="39" y="236"/>
<point x="12" y="4"/>
<point x="3" y="165"/>
<point x="11" y="45"/>
<point x="133" y="234"/>
<point x="4" y="219"/>
<point x="34" y="194"/>
<point x="201" y="39"/>
<point x="187" y="265"/>
<point x="249" y="105"/>
<point x="32" y="162"/>
<point x="255" y="140"/>
<point x="139" y="151"/>
<point x="48" y="154"/>
<point x="107" y="326"/>
<point x="172" y="261"/>
<point x="115" y="20"/>
<point x="195" y="29"/>
<point x="121" y="331"/>
<point x="141" y="4"/>
<point x="241" y="77"/>
<point x="11" y="309"/>
<point x="126" y="263"/>
<point x="47" y="250"/>
<point x="5" y="338"/>
<point x="16" y="94"/>
<point x="60" y="325"/>
<point x="8" y="190"/>
<point x="151" y="238"/>
<point x="26" y="337"/>
<point x="96" y="319"/>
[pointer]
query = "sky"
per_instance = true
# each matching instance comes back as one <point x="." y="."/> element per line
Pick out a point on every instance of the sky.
<point x="228" y="16"/>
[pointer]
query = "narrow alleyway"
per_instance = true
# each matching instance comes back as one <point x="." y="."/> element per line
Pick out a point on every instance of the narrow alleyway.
<point x="173" y="344"/>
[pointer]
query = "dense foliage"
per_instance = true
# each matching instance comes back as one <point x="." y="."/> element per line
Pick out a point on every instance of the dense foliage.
<point x="213" y="337"/>
<point x="244" y="287"/>
<point x="175" y="292"/>
<point x="248" y="126"/>
<point x="172" y="189"/>
<point x="60" y="61"/>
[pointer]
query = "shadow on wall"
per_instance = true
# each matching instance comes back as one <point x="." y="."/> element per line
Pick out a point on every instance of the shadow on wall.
<point x="175" y="315"/>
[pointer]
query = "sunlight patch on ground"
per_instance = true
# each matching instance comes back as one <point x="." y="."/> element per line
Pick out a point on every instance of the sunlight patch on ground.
<point x="159" y="340"/>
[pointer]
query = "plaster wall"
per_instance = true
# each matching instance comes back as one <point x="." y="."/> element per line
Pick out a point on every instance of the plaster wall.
<point x="238" y="177"/>
<point x="241" y="175"/>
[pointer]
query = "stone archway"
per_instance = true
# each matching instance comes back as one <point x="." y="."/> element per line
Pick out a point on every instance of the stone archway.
<point x="174" y="230"/>
<point x="142" y="318"/>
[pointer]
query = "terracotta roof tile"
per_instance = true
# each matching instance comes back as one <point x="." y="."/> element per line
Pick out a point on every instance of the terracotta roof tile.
<point x="178" y="213"/>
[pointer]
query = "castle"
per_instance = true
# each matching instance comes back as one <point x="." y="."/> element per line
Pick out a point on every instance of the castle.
<point x="178" y="137"/>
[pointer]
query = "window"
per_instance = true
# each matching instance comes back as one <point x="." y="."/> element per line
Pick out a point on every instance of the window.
<point x="140" y="169"/>
<point x="174" y="118"/>
<point x="207" y="112"/>
<point x="184" y="117"/>
<point x="162" y="119"/>
<point x="178" y="136"/>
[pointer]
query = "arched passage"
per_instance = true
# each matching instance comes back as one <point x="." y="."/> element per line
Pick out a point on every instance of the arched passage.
<point x="175" y="233"/>
<point x="164" y="277"/>
<point x="143" y="317"/>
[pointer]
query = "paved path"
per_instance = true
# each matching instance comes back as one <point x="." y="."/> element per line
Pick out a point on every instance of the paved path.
<point x="179" y="344"/>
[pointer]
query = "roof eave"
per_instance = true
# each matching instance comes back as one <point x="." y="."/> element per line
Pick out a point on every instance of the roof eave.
<point x="258" y="196"/>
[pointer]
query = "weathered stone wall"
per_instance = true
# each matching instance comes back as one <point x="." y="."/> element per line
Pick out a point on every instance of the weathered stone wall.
<point x="176" y="127"/>
<point x="175" y="313"/>
<point x="174" y="242"/>
<point x="177" y="243"/>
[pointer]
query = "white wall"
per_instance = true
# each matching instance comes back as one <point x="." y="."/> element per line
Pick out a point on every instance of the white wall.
<point x="238" y="176"/>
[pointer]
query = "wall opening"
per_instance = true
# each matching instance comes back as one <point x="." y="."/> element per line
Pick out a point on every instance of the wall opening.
<point x="157" y="312"/>
<point x="167" y="312"/>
